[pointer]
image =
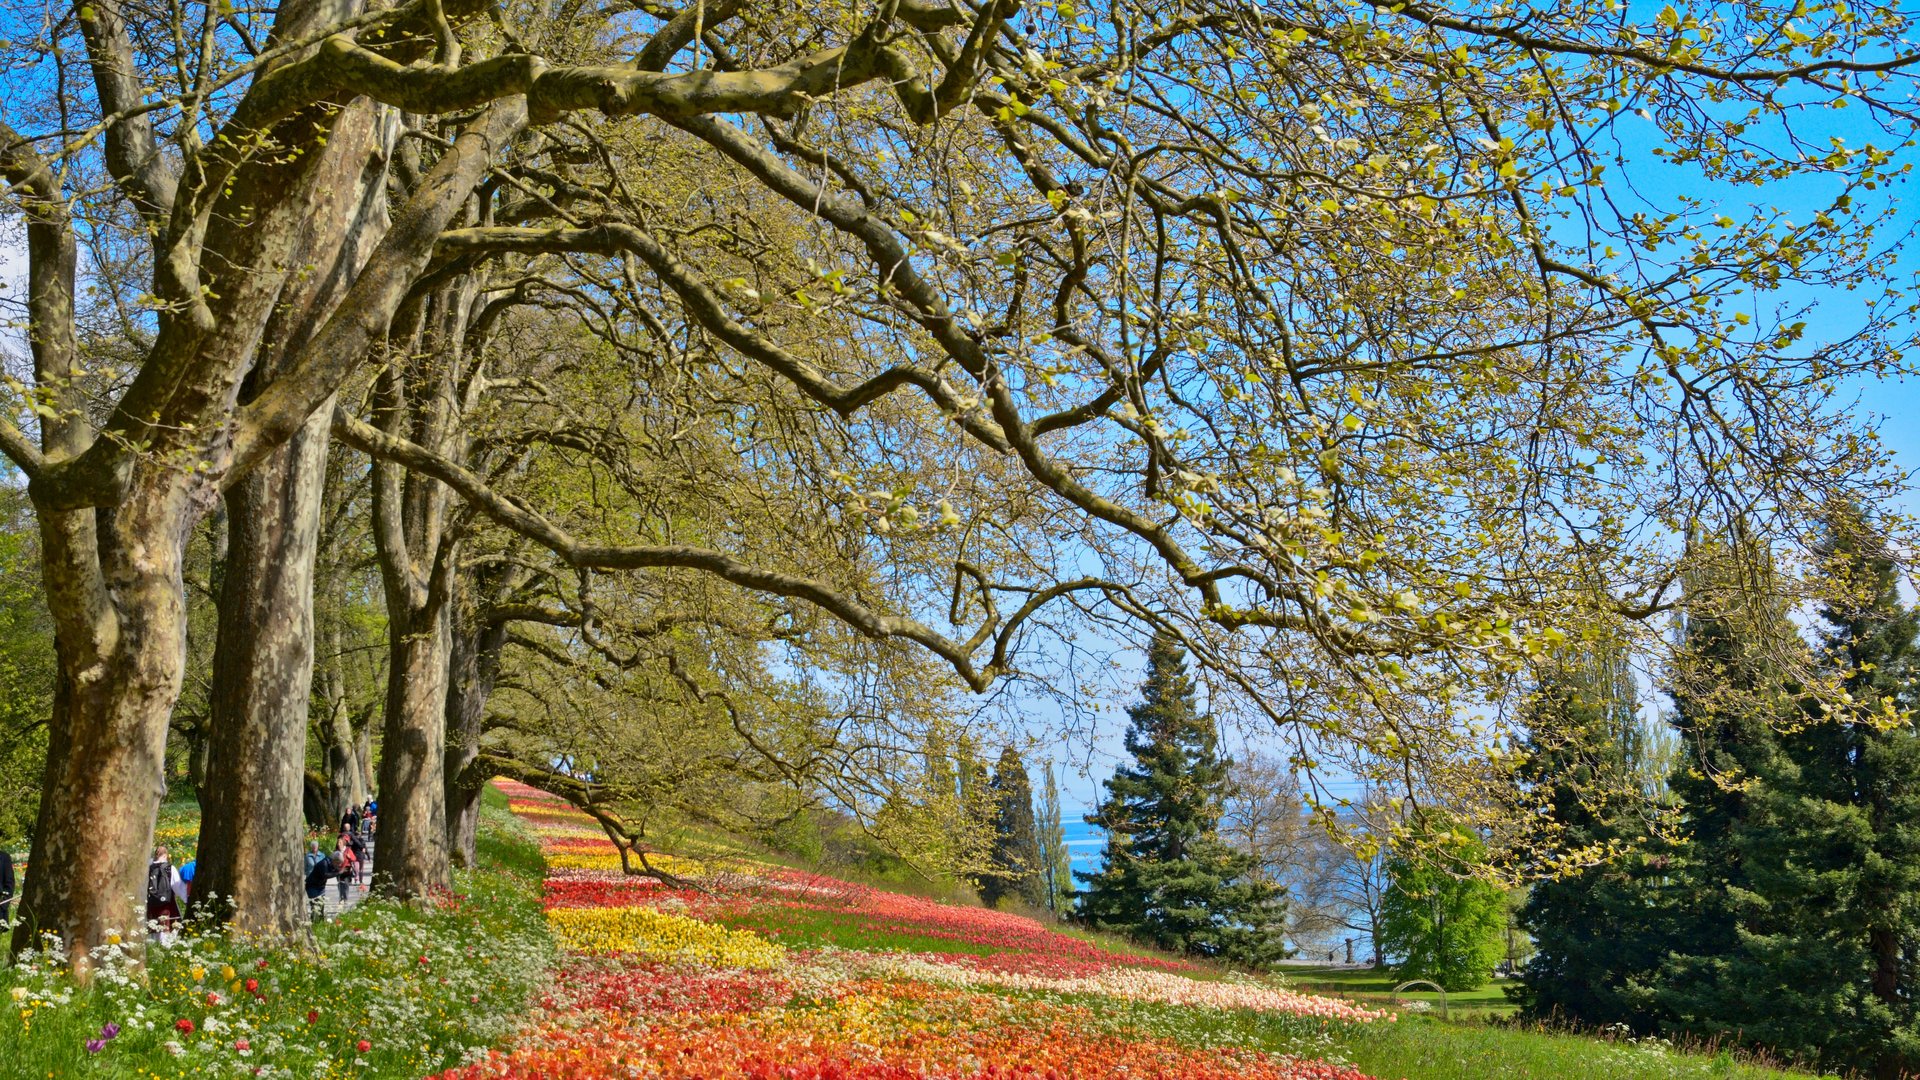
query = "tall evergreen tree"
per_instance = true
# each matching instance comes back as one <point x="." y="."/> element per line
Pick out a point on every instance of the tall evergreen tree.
<point x="1015" y="861"/>
<point x="1731" y="699"/>
<point x="1822" y="963"/>
<point x="1169" y="879"/>
<point x="1056" y="863"/>
<point x="1596" y="927"/>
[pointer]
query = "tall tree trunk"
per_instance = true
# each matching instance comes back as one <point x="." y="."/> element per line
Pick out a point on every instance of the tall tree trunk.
<point x="250" y="836"/>
<point x="475" y="665"/>
<point x="106" y="763"/>
<point x="250" y="853"/>
<point x="418" y="546"/>
<point x="413" y="817"/>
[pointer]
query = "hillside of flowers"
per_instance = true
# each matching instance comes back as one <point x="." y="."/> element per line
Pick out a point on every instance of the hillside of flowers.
<point x="749" y="971"/>
<point x="386" y="991"/>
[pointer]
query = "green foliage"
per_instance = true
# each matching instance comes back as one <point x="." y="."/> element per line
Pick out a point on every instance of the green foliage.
<point x="1169" y="880"/>
<point x="1595" y="924"/>
<point x="27" y="669"/>
<point x="1827" y="900"/>
<point x="1015" y="858"/>
<point x="1056" y="863"/>
<point x="1444" y="927"/>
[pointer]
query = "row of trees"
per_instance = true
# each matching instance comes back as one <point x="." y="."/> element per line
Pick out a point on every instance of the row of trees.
<point x="700" y="396"/>
<point x="1768" y="889"/>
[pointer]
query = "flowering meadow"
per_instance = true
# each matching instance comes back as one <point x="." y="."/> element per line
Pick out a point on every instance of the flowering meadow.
<point x="385" y="991"/>
<point x="765" y="972"/>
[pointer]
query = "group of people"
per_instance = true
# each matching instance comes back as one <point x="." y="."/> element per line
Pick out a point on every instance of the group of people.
<point x="347" y="865"/>
<point x="169" y="886"/>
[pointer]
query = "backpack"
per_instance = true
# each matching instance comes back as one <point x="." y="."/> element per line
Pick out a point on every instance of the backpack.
<point x="319" y="869"/>
<point x="159" y="882"/>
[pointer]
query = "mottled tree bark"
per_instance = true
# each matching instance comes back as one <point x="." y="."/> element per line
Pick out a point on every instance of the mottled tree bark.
<point x="250" y="836"/>
<point x="413" y="818"/>
<point x="475" y="664"/>
<point x="418" y="548"/>
<point x="106" y="770"/>
<point x="250" y="841"/>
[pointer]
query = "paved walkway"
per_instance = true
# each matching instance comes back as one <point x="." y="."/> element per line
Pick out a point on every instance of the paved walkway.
<point x="356" y="891"/>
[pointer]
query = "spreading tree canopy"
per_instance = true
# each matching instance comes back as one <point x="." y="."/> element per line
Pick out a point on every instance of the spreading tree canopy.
<point x="1339" y="339"/>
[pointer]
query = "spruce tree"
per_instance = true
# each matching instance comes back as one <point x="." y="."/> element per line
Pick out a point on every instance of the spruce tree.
<point x="1169" y="879"/>
<point x="1014" y="860"/>
<point x="1056" y="863"/>
<point x="1731" y="699"/>
<point x="1821" y="963"/>
<point x="1596" y="928"/>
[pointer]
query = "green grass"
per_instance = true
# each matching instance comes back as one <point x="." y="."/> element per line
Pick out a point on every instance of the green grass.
<point x="1422" y="1048"/>
<point x="1375" y="986"/>
<point x="424" y="985"/>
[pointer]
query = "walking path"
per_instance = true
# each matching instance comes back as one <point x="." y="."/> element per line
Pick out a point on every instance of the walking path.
<point x="356" y="892"/>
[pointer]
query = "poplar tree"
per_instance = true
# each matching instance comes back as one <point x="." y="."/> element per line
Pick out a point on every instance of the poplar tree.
<point x="1056" y="863"/>
<point x="1594" y="919"/>
<point x="1169" y="880"/>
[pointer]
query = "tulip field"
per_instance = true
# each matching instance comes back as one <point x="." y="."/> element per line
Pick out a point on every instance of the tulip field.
<point x="748" y="971"/>
<point x="550" y="962"/>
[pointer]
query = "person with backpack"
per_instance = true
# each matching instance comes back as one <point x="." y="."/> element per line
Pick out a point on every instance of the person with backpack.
<point x="163" y="889"/>
<point x="318" y="869"/>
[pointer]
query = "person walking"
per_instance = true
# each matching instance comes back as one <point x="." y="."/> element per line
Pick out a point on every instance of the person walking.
<point x="344" y="866"/>
<point x="163" y="891"/>
<point x="6" y="887"/>
<point x="350" y="821"/>
<point x="319" y="869"/>
<point x="359" y="848"/>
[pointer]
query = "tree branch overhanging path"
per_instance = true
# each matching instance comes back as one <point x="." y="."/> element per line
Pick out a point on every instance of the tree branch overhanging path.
<point x="1283" y="328"/>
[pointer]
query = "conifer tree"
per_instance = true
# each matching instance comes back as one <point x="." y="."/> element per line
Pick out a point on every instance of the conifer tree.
<point x="1015" y="859"/>
<point x="1731" y="697"/>
<point x="1595" y="924"/>
<point x="1821" y="964"/>
<point x="1169" y="879"/>
<point x="1056" y="863"/>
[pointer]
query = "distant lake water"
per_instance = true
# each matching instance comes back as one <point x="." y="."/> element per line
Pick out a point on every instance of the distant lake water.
<point x="1084" y="844"/>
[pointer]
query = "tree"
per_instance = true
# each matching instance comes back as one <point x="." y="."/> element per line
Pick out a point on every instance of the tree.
<point x="1056" y="861"/>
<point x="1015" y="862"/>
<point x="265" y="200"/>
<point x="1170" y="880"/>
<point x="1266" y="818"/>
<point x="1819" y="965"/>
<point x="1734" y="691"/>
<point x="1442" y="926"/>
<point x="1595" y="913"/>
<point x="1344" y="877"/>
<point x="27" y="669"/>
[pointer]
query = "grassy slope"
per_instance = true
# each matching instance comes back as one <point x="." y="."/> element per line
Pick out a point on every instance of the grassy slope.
<point x="363" y="980"/>
<point x="1419" y="1048"/>
<point x="1376" y="987"/>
